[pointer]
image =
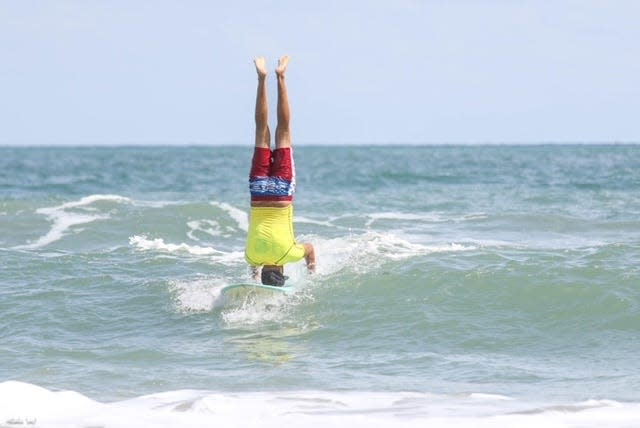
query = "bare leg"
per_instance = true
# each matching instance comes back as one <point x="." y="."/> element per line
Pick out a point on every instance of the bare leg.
<point x="283" y="133"/>
<point x="263" y="135"/>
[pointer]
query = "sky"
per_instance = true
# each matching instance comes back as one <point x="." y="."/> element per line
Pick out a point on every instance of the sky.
<point x="90" y="72"/>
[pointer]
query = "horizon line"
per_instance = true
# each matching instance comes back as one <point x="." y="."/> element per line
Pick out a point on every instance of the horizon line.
<point x="317" y="144"/>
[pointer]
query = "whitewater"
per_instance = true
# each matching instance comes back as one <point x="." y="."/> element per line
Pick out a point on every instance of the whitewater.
<point x="457" y="286"/>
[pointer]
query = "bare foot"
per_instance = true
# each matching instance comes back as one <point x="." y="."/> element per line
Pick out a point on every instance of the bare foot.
<point x="261" y="66"/>
<point x="282" y="65"/>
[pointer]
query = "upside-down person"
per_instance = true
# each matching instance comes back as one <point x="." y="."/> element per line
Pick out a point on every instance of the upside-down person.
<point x="270" y="242"/>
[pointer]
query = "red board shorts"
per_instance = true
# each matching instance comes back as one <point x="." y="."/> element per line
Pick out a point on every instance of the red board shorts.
<point x="273" y="175"/>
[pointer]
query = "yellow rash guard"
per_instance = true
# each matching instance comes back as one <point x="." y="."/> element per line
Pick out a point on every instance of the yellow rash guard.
<point x="270" y="240"/>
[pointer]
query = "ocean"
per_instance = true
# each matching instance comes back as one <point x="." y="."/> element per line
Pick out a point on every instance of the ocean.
<point x="457" y="286"/>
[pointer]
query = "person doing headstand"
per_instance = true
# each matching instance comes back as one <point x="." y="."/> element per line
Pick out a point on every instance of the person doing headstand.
<point x="270" y="241"/>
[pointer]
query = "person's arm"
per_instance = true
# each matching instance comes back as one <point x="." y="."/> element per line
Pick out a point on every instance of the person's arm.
<point x="310" y="257"/>
<point x="255" y="272"/>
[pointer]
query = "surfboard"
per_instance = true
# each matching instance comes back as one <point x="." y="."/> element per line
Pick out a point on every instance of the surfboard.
<point x="255" y="288"/>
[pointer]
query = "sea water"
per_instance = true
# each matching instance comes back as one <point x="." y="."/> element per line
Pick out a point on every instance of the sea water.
<point x="457" y="286"/>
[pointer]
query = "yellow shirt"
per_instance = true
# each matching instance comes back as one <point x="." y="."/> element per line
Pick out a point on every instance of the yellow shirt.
<point x="270" y="240"/>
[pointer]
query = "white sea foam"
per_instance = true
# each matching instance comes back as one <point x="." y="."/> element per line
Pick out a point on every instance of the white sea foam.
<point x="254" y="310"/>
<point x="64" y="217"/>
<point x="361" y="251"/>
<point x="197" y="295"/>
<point x="241" y="217"/>
<point x="204" y="295"/>
<point x="88" y="200"/>
<point x="208" y="227"/>
<point x="145" y="244"/>
<point x="23" y="404"/>
<point x="156" y="204"/>
<point x="30" y="405"/>
<point x="430" y="217"/>
<point x="300" y="219"/>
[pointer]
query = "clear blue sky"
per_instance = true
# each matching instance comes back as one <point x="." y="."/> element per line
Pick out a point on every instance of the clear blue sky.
<point x="95" y="72"/>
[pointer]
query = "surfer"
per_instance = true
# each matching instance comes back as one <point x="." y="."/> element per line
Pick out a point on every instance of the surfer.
<point x="270" y="241"/>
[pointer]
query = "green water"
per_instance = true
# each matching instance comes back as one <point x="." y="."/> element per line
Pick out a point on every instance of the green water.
<point x="448" y="270"/>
